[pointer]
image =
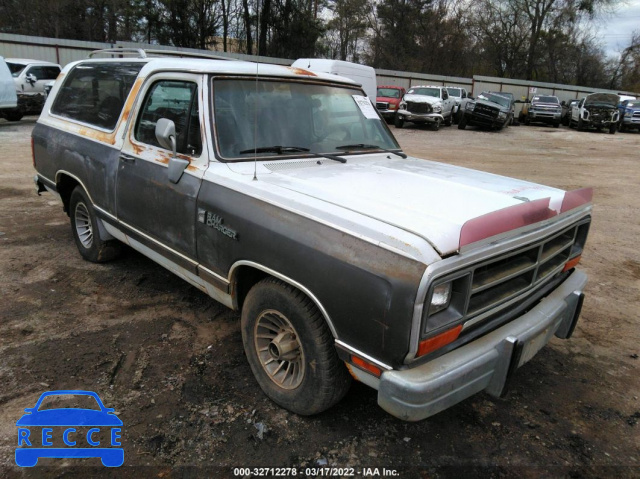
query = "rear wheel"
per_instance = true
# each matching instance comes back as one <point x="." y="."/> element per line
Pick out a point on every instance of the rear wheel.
<point x="14" y="116"/>
<point x="291" y="350"/>
<point x="84" y="225"/>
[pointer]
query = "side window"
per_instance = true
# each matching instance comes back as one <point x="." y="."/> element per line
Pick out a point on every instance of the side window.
<point x="94" y="93"/>
<point x="36" y="71"/>
<point x="176" y="101"/>
<point x="49" y="73"/>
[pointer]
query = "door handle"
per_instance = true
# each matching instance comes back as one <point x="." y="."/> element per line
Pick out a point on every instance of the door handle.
<point x="127" y="158"/>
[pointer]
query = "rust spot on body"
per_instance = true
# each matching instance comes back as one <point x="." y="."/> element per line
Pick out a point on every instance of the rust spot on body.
<point x="300" y="71"/>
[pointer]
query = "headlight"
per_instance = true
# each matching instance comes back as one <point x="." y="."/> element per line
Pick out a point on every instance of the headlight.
<point x="628" y="114"/>
<point x="440" y="298"/>
<point x="471" y="105"/>
<point x="502" y="114"/>
<point x="437" y="107"/>
<point x="403" y="106"/>
<point x="392" y="106"/>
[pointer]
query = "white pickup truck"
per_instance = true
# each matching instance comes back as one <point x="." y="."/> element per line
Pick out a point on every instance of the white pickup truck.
<point x="426" y="104"/>
<point x="282" y="193"/>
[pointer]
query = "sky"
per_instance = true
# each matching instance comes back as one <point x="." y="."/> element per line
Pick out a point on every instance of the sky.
<point x="615" y="31"/>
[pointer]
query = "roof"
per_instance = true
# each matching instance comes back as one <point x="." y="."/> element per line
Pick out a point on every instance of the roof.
<point x="29" y="61"/>
<point x="396" y="87"/>
<point x="224" y="67"/>
<point x="426" y="86"/>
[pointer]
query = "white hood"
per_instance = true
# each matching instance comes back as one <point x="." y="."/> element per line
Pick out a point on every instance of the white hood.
<point x="431" y="200"/>
<point x="431" y="100"/>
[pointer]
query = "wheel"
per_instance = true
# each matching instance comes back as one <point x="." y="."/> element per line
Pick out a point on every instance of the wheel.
<point x="436" y="126"/>
<point x="398" y="122"/>
<point x="612" y="128"/>
<point x="621" y="128"/>
<point x="84" y="225"/>
<point x="580" y="124"/>
<point x="449" y="120"/>
<point x="14" y="116"/>
<point x="290" y="349"/>
<point x="556" y="125"/>
<point x="527" y="120"/>
<point x="462" y="124"/>
<point x="459" y="115"/>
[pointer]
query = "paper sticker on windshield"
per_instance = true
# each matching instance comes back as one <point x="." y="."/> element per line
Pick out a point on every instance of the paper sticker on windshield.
<point x="366" y="107"/>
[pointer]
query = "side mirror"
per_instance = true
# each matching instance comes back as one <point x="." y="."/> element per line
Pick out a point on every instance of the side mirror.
<point x="31" y="78"/>
<point x="166" y="136"/>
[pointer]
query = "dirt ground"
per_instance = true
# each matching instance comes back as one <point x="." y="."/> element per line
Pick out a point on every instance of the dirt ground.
<point x="170" y="360"/>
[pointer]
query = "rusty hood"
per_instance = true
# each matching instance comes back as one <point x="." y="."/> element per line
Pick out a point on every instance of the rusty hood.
<point x="443" y="204"/>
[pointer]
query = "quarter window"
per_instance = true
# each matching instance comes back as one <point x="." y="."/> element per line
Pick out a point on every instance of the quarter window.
<point x="176" y="101"/>
<point x="94" y="93"/>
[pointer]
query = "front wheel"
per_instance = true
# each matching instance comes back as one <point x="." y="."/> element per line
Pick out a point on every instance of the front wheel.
<point x="612" y="128"/>
<point x="436" y="126"/>
<point x="449" y="120"/>
<point x="291" y="350"/>
<point x="84" y="225"/>
<point x="398" y="122"/>
<point x="463" y="122"/>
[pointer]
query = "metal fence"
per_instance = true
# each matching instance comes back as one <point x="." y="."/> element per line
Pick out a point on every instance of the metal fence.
<point x="65" y="51"/>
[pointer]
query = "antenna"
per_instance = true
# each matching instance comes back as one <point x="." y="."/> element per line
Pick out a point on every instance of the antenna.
<point x="257" y="103"/>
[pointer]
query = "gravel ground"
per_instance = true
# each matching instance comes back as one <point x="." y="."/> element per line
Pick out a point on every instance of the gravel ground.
<point x="170" y="360"/>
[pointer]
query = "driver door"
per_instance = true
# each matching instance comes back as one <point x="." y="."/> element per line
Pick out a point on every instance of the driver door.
<point x="153" y="210"/>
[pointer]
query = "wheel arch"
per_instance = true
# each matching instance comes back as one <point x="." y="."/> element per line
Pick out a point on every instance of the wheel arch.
<point x="65" y="184"/>
<point x="245" y="274"/>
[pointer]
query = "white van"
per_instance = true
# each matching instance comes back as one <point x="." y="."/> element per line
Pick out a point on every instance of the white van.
<point x="8" y="97"/>
<point x="362" y="74"/>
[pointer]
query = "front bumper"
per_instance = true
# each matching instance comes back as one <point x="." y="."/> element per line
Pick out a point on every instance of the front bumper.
<point x="633" y="122"/>
<point x="420" y="117"/>
<point x="484" y="364"/>
<point x="544" y="116"/>
<point x="387" y="113"/>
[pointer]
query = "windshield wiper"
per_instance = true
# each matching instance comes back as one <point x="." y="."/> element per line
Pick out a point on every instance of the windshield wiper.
<point x="364" y="146"/>
<point x="280" y="150"/>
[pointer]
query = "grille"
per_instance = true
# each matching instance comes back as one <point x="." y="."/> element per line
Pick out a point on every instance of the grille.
<point x="636" y="114"/>
<point x="381" y="105"/>
<point x="487" y="110"/>
<point x="419" y="107"/>
<point x="485" y="288"/>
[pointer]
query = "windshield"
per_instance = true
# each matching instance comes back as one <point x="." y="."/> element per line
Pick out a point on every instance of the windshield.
<point x="15" y="68"/>
<point x="304" y="115"/>
<point x="389" y="92"/>
<point x="425" y="91"/>
<point x="455" y="92"/>
<point x="545" y="99"/>
<point x="499" y="99"/>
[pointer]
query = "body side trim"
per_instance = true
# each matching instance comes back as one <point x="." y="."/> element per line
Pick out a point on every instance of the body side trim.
<point x="288" y="280"/>
<point x="363" y="355"/>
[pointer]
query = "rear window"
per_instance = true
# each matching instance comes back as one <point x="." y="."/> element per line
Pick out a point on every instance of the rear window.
<point x="95" y="93"/>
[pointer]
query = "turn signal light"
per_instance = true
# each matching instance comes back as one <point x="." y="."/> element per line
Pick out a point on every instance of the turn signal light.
<point x="572" y="263"/>
<point x="442" y="339"/>
<point x="370" y="368"/>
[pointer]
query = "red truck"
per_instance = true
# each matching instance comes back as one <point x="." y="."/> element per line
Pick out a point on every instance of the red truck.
<point x="387" y="100"/>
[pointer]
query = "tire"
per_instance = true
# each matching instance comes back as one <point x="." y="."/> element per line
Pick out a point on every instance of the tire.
<point x="398" y="122"/>
<point x="580" y="125"/>
<point x="436" y="126"/>
<point x="462" y="124"/>
<point x="621" y="128"/>
<point x="14" y="116"/>
<point x="527" y="120"/>
<point x="449" y="120"/>
<point x="556" y="125"/>
<point x="612" y="129"/>
<point x="281" y="320"/>
<point x="84" y="226"/>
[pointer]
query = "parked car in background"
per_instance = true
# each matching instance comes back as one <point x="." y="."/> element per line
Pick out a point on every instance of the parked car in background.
<point x="30" y="78"/>
<point x="362" y="74"/>
<point x="566" y="110"/>
<point x="461" y="97"/>
<point x="388" y="100"/>
<point x="488" y="110"/>
<point x="426" y="104"/>
<point x="598" y="110"/>
<point x="543" y="109"/>
<point x="8" y="97"/>
<point x="629" y="115"/>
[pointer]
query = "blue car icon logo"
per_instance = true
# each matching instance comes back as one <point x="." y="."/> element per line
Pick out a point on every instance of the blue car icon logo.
<point x="79" y="432"/>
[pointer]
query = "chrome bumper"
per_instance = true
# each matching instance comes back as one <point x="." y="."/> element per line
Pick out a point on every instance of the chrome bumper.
<point x="426" y="117"/>
<point x="484" y="364"/>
